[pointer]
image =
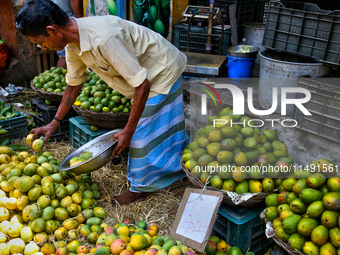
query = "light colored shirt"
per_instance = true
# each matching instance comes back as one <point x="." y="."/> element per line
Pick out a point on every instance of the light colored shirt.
<point x="123" y="54"/>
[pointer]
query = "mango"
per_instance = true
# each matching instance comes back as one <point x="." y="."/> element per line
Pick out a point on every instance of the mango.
<point x="316" y="180"/>
<point x="282" y="207"/>
<point x="277" y="222"/>
<point x="242" y="187"/>
<point x="309" y="248"/>
<point x="299" y="186"/>
<point x="288" y="184"/>
<point x="306" y="226"/>
<point x="319" y="235"/>
<point x="271" y="200"/>
<point x="271" y="213"/>
<point x="255" y="186"/>
<point x="309" y="195"/>
<point x="283" y="197"/>
<point x="333" y="184"/>
<point x="291" y="197"/>
<point x="334" y="237"/>
<point x="327" y="167"/>
<point x="315" y="209"/>
<point x="298" y="207"/>
<point x="296" y="241"/>
<point x="327" y="249"/>
<point x="324" y="189"/>
<point x="332" y="201"/>
<point x="290" y="223"/>
<point x="268" y="185"/>
<point x="281" y="234"/>
<point x="329" y="218"/>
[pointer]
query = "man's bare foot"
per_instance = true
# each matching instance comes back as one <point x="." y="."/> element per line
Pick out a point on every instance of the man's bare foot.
<point x="128" y="197"/>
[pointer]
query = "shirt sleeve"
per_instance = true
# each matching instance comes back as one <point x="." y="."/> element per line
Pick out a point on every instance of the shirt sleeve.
<point x="120" y="55"/>
<point x="76" y="68"/>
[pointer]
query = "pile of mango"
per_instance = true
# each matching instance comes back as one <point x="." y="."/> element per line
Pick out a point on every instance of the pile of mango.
<point x="52" y="80"/>
<point x="129" y="239"/>
<point x="216" y="246"/>
<point x="97" y="96"/>
<point x="305" y="214"/>
<point x="224" y="146"/>
<point x="40" y="204"/>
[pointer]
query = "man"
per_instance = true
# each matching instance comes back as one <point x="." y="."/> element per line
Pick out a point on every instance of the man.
<point x="73" y="8"/>
<point x="133" y="60"/>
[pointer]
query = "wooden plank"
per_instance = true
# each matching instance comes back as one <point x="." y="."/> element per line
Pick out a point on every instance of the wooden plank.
<point x="52" y="59"/>
<point x="45" y="62"/>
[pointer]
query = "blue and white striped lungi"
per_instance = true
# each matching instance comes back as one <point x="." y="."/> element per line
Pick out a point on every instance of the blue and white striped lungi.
<point x="156" y="147"/>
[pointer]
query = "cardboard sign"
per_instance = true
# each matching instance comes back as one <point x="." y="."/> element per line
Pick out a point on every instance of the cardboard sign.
<point x="195" y="217"/>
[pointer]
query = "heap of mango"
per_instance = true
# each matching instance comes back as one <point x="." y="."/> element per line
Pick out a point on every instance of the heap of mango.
<point x="306" y="214"/>
<point x="124" y="239"/>
<point x="81" y="158"/>
<point x="38" y="203"/>
<point x="216" y="246"/>
<point x="235" y="156"/>
<point x="97" y="96"/>
<point x="52" y="80"/>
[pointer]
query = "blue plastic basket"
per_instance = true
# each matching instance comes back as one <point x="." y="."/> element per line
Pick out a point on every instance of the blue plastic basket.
<point x="242" y="228"/>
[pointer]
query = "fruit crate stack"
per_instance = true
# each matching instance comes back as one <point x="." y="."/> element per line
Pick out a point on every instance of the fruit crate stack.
<point x="303" y="29"/>
<point x="16" y="127"/>
<point x="45" y="116"/>
<point x="242" y="228"/>
<point x="324" y="106"/>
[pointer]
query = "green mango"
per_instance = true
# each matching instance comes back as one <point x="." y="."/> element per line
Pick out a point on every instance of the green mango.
<point x="290" y="223"/>
<point x="296" y="241"/>
<point x="315" y="209"/>
<point x="309" y="195"/>
<point x="306" y="226"/>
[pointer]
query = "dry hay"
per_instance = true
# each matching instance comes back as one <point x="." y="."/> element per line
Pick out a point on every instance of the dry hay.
<point x="159" y="208"/>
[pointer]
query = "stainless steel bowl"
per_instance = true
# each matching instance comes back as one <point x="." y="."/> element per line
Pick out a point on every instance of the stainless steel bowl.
<point x="101" y="149"/>
<point x="232" y="51"/>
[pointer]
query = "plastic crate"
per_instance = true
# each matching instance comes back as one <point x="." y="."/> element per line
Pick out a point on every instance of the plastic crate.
<point x="197" y="43"/>
<point x="245" y="9"/>
<point x="303" y="29"/>
<point x="242" y="228"/>
<point x="46" y="112"/>
<point x="324" y="106"/>
<point x="16" y="127"/>
<point x="81" y="133"/>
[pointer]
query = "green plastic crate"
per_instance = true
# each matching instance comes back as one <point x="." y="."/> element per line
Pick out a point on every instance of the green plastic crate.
<point x="242" y="228"/>
<point x="16" y="127"/>
<point x="81" y="133"/>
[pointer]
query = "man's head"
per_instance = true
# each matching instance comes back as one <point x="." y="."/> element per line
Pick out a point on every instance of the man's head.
<point x="41" y="21"/>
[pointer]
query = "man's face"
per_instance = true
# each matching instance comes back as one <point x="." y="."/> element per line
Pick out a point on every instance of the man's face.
<point x="48" y="43"/>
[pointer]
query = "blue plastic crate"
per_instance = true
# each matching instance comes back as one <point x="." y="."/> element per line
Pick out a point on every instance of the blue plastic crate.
<point x="16" y="127"/>
<point x="81" y="133"/>
<point x="242" y="228"/>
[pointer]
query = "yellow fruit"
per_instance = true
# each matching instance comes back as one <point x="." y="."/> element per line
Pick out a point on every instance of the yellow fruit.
<point x="141" y="252"/>
<point x="221" y="246"/>
<point x="149" y="239"/>
<point x="29" y="139"/>
<point x="16" y="218"/>
<point x="5" y="159"/>
<point x="70" y="224"/>
<point x="4" y="226"/>
<point x="60" y="233"/>
<point x="37" y="145"/>
<point x="31" y="248"/>
<point x="26" y="234"/>
<point x="3" y="238"/>
<point x="4" y="213"/>
<point x="4" y="249"/>
<point x="11" y="203"/>
<point x="17" y="193"/>
<point x="15" y="230"/>
<point x="16" y="245"/>
<point x="47" y="249"/>
<point x="4" y="186"/>
<point x="123" y="230"/>
<point x="138" y="242"/>
<point x="73" y="234"/>
<point x="3" y="201"/>
<point x="22" y="202"/>
<point x="40" y="238"/>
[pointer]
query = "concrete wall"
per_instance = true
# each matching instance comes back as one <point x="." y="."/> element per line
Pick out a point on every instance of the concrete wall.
<point x="303" y="146"/>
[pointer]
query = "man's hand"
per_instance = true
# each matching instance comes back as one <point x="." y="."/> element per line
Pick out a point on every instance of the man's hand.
<point x="123" y="138"/>
<point x="47" y="131"/>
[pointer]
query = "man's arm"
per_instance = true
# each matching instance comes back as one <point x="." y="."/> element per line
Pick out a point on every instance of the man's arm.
<point x="124" y="137"/>
<point x="70" y="95"/>
<point x="77" y="8"/>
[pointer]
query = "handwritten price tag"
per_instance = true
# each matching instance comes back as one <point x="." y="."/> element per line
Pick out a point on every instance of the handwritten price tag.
<point x="195" y="217"/>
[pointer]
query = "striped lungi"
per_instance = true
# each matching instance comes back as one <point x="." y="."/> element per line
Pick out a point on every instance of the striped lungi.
<point x="157" y="144"/>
